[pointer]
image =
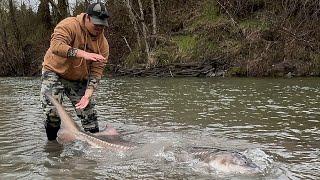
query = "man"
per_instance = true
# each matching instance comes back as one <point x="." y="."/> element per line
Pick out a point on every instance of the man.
<point x="73" y="66"/>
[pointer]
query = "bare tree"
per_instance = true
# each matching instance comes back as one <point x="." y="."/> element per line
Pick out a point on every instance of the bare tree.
<point x="133" y="20"/>
<point x="144" y="33"/>
<point x="55" y="7"/>
<point x="44" y="13"/>
<point x="154" y="22"/>
<point x="17" y="33"/>
<point x="3" y="31"/>
<point x="63" y="7"/>
<point x="140" y="26"/>
<point x="60" y="10"/>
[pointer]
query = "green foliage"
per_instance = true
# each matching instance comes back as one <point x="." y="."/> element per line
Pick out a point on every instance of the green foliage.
<point x="210" y="11"/>
<point x="133" y="59"/>
<point x="207" y="14"/>
<point x="256" y="24"/>
<point x="253" y="37"/>
<point x="186" y="47"/>
<point x="186" y="43"/>
<point x="236" y="71"/>
<point x="205" y="48"/>
<point x="164" y="56"/>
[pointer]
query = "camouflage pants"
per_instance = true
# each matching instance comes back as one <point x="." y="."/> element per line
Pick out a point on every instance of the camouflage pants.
<point x="74" y="90"/>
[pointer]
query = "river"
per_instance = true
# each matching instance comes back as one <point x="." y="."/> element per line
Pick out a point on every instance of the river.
<point x="274" y="122"/>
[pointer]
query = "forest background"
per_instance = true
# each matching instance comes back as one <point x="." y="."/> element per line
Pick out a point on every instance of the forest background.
<point x="175" y="37"/>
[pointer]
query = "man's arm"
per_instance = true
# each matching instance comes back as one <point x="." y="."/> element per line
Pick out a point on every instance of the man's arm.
<point x="61" y="40"/>
<point x="89" y="56"/>
<point x="96" y="72"/>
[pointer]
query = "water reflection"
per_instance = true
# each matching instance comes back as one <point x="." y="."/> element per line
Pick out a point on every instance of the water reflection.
<point x="274" y="121"/>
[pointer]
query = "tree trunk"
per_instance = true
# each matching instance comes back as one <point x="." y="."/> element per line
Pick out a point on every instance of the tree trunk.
<point x="4" y="38"/>
<point x="44" y="13"/>
<point x="14" y="24"/>
<point x="55" y="10"/>
<point x="133" y="20"/>
<point x="20" y="63"/>
<point x="3" y="31"/>
<point x="63" y="8"/>
<point x="154" y="23"/>
<point x="144" y="33"/>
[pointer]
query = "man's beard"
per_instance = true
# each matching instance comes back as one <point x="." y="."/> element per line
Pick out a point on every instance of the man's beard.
<point x="95" y="35"/>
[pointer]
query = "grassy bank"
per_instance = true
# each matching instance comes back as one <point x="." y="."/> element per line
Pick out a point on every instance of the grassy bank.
<point x="257" y="38"/>
<point x="237" y="37"/>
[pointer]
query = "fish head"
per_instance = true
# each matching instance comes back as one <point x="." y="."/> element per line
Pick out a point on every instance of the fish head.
<point x="232" y="162"/>
<point x="244" y="164"/>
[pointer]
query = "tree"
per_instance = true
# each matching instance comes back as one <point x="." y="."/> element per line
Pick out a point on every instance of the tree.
<point x="14" y="24"/>
<point x="63" y="6"/>
<point x="134" y="21"/>
<point x="44" y="14"/>
<point x="140" y="27"/>
<point x="154" y="22"/>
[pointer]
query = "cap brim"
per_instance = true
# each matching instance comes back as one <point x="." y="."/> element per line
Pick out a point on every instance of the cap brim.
<point x="98" y="21"/>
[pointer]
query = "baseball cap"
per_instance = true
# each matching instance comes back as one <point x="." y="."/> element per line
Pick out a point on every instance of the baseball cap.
<point x="98" y="13"/>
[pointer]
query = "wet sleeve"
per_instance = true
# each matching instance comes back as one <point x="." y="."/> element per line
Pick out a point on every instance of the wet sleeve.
<point x="93" y="83"/>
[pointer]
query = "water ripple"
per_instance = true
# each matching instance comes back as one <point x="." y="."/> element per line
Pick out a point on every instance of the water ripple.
<point x="278" y="118"/>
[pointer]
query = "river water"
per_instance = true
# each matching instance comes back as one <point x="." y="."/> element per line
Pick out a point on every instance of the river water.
<point x="274" y="122"/>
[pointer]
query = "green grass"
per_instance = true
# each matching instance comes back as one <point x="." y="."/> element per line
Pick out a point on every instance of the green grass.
<point x="186" y="43"/>
<point x="207" y="15"/>
<point x="133" y="58"/>
<point x="205" y="48"/>
<point x="164" y="55"/>
<point x="254" y="24"/>
<point x="210" y="12"/>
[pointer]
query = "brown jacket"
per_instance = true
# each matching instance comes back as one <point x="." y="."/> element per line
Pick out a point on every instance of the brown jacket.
<point x="71" y="32"/>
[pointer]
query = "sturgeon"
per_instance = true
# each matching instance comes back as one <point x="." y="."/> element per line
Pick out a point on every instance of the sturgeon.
<point x="70" y="131"/>
<point x="228" y="162"/>
<point x="216" y="159"/>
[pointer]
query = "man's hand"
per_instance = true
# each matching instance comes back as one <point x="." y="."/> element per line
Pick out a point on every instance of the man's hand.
<point x="90" y="56"/>
<point x="83" y="103"/>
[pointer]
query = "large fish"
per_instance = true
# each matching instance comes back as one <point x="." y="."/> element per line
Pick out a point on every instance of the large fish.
<point x="218" y="160"/>
<point x="227" y="162"/>
<point x="70" y="131"/>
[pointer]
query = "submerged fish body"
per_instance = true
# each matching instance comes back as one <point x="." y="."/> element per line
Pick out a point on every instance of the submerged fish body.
<point x="218" y="160"/>
<point x="96" y="142"/>
<point x="228" y="162"/>
<point x="70" y="131"/>
<point x="232" y="162"/>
